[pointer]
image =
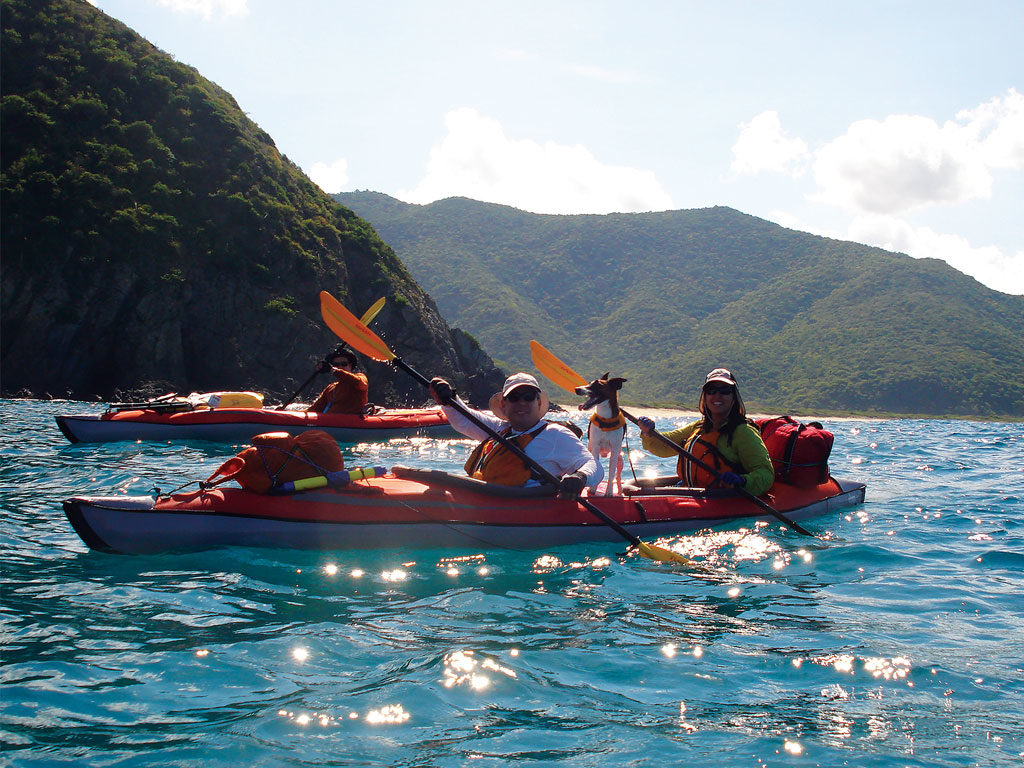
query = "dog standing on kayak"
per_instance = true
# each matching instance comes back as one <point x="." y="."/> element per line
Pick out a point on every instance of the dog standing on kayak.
<point x="607" y="426"/>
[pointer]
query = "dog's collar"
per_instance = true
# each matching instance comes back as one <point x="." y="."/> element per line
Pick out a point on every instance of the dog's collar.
<point x="608" y="425"/>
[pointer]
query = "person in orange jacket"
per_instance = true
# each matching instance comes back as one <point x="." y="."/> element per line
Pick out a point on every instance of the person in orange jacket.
<point x="348" y="393"/>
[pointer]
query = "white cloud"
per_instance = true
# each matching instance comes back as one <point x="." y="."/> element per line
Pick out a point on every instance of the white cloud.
<point x="477" y="160"/>
<point x="908" y="161"/>
<point x="879" y="170"/>
<point x="330" y="178"/>
<point x="763" y="146"/>
<point x="987" y="264"/>
<point x="901" y="163"/>
<point x="998" y="128"/>
<point x="207" y="8"/>
<point x="788" y="220"/>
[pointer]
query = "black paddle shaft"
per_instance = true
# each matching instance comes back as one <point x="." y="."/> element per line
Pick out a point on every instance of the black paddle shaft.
<point x="530" y="462"/>
<point x="683" y="452"/>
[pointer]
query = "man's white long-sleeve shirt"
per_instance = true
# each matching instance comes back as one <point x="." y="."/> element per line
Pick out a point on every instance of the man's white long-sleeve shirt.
<point x="555" y="448"/>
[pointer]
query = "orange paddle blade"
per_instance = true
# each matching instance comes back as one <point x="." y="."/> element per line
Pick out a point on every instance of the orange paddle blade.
<point x="351" y="330"/>
<point x="554" y="369"/>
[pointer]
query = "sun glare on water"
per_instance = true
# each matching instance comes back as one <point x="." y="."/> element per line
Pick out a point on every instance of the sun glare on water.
<point x="392" y="714"/>
<point x="463" y="668"/>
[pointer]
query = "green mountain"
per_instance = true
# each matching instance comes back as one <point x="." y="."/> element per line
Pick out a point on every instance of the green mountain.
<point x="153" y="236"/>
<point x="809" y="324"/>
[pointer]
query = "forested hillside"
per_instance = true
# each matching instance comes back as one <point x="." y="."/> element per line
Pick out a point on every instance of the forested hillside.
<point x="153" y="235"/>
<point x="809" y="324"/>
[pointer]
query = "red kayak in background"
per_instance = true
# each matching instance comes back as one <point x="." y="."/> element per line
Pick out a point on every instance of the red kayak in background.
<point x="239" y="425"/>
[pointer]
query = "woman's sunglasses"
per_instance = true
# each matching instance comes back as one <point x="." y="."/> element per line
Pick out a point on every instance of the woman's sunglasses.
<point x="718" y="391"/>
<point x="526" y="395"/>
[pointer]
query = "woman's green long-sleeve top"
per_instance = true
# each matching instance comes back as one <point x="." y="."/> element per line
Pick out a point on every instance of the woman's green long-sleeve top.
<point x="746" y="449"/>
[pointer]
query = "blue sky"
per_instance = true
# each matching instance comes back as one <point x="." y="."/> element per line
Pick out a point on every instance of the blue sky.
<point x="897" y="123"/>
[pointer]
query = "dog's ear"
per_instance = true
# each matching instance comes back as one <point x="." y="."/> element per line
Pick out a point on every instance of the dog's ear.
<point x="606" y="375"/>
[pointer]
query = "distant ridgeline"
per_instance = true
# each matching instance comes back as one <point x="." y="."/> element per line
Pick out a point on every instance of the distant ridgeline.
<point x="809" y="324"/>
<point x="152" y="235"/>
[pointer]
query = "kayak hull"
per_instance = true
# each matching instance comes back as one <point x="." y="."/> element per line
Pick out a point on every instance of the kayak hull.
<point x="420" y="510"/>
<point x="239" y="425"/>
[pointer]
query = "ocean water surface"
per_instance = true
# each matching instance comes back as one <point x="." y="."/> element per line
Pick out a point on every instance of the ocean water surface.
<point x="893" y="638"/>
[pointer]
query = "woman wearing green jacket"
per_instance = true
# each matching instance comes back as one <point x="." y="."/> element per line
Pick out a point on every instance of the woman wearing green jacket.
<point x="723" y="439"/>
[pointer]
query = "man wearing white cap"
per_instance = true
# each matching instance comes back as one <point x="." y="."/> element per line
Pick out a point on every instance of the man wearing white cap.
<point x="517" y="414"/>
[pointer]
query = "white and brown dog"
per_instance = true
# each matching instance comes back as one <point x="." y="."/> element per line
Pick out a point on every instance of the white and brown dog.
<point x="607" y="426"/>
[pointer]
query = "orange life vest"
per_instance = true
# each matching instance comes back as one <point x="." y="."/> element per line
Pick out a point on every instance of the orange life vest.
<point x="346" y="395"/>
<point x="492" y="462"/>
<point x="703" y="445"/>
<point x="608" y="425"/>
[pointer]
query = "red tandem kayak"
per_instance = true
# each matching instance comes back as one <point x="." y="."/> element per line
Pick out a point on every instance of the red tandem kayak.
<point x="421" y="509"/>
<point x="238" y="425"/>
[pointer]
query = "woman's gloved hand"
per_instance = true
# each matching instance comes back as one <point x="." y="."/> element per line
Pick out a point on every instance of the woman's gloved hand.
<point x="732" y="479"/>
<point x="646" y="425"/>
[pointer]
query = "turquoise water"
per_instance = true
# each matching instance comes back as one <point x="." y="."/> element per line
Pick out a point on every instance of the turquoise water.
<point x="896" y="638"/>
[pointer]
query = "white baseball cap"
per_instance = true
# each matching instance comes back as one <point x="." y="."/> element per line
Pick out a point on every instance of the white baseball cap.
<point x="518" y="380"/>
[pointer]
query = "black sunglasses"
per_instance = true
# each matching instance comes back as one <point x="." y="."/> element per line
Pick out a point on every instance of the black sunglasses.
<point x="526" y="395"/>
<point x="719" y="390"/>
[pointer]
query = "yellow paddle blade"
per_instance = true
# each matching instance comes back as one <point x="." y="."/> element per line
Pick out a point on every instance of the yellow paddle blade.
<point x="351" y="330"/>
<point x="662" y="555"/>
<point x="373" y="311"/>
<point x="554" y="369"/>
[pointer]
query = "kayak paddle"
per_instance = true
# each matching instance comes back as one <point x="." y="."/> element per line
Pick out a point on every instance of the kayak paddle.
<point x="349" y="329"/>
<point x="324" y="365"/>
<point x="565" y="377"/>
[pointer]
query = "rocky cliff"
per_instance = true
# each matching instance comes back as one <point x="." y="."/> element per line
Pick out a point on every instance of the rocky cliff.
<point x="154" y="238"/>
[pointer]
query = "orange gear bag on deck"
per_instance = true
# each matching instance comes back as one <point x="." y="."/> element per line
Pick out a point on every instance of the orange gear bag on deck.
<point x="278" y="457"/>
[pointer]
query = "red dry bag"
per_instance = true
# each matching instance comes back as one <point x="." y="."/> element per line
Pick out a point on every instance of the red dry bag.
<point x="799" y="451"/>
